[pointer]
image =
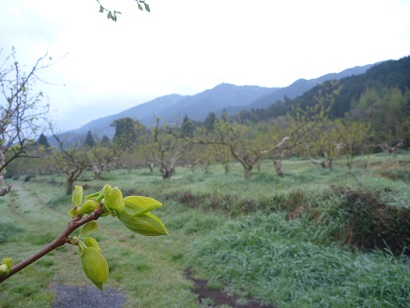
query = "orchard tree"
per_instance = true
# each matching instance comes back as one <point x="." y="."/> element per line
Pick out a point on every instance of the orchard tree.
<point x="354" y="137"/>
<point x="103" y="157"/>
<point x="247" y="146"/>
<point x="224" y="157"/>
<point x="324" y="144"/>
<point x="143" y="152"/>
<point x="166" y="149"/>
<point x="22" y="110"/>
<point x="72" y="161"/>
<point x="198" y="155"/>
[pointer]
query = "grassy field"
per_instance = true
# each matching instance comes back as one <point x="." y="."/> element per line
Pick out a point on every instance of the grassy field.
<point x="283" y="241"/>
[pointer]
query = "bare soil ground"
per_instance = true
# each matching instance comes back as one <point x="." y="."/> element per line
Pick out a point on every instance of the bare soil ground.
<point x="219" y="297"/>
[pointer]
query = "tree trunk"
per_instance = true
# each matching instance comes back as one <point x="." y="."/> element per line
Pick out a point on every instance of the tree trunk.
<point x="69" y="188"/>
<point x="330" y="164"/>
<point x="278" y="168"/>
<point x="151" y="167"/>
<point x="247" y="171"/>
<point x="226" y="169"/>
<point x="72" y="177"/>
<point x="167" y="172"/>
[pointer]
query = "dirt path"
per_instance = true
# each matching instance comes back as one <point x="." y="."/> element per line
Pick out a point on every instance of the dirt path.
<point x="219" y="297"/>
<point x="87" y="296"/>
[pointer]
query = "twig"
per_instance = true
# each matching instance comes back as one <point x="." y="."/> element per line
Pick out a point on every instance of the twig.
<point x="62" y="239"/>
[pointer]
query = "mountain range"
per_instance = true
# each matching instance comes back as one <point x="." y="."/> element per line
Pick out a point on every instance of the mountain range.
<point x="223" y="97"/>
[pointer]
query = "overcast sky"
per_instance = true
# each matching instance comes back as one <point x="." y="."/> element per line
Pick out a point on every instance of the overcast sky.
<point x="188" y="46"/>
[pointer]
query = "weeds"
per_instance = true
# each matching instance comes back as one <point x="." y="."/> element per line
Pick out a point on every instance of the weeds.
<point x="279" y="261"/>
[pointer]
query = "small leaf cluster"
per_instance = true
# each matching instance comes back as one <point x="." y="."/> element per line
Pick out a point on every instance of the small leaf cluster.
<point x="113" y="14"/>
<point x="133" y="211"/>
<point x="5" y="266"/>
<point x="146" y="6"/>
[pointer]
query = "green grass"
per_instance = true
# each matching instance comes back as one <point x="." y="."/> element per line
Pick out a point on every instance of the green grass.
<point x="236" y="234"/>
<point x="279" y="261"/>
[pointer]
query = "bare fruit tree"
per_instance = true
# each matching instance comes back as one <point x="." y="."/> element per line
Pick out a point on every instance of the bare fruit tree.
<point x="22" y="110"/>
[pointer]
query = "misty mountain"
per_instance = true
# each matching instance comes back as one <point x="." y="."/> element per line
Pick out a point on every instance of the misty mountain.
<point x="171" y="108"/>
<point x="296" y="89"/>
<point x="222" y="96"/>
<point x="148" y="110"/>
<point x="229" y="97"/>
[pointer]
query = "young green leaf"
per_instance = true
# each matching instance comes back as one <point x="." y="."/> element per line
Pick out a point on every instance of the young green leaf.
<point x="77" y="197"/>
<point x="140" y="6"/>
<point x="88" y="228"/>
<point x="145" y="224"/>
<point x="73" y="212"/>
<point x="147" y="7"/>
<point x="113" y="198"/>
<point x="92" y="196"/>
<point x="88" y="207"/>
<point x="137" y="205"/>
<point x="95" y="266"/>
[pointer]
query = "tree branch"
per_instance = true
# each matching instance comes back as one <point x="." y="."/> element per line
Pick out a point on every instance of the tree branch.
<point x="62" y="239"/>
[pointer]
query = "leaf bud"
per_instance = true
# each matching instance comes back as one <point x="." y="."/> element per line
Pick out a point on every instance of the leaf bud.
<point x="77" y="197"/>
<point x="88" y="207"/>
<point x="113" y="198"/>
<point x="8" y="262"/>
<point x="95" y="266"/>
<point x="145" y="224"/>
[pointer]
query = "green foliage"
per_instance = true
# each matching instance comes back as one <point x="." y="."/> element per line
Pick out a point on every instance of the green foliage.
<point x="278" y="260"/>
<point x="210" y="121"/>
<point x="89" y="140"/>
<point x="371" y="223"/>
<point x="187" y="127"/>
<point x="43" y="141"/>
<point x="127" y="132"/>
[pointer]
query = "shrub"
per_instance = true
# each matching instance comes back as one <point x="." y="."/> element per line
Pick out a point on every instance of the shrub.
<point x="371" y="223"/>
